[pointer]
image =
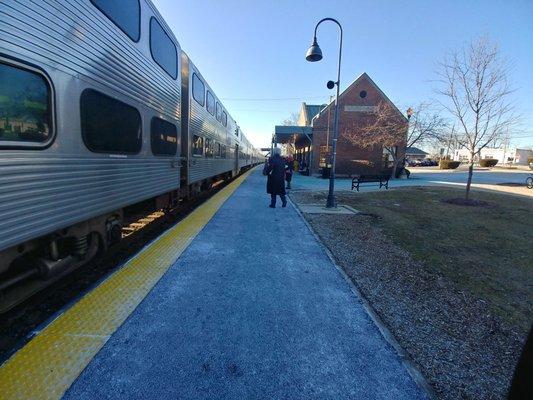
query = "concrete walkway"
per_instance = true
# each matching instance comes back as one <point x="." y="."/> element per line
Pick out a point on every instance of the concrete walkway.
<point x="253" y="309"/>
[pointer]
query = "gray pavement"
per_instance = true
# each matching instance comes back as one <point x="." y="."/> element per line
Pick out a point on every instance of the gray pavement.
<point x="253" y="309"/>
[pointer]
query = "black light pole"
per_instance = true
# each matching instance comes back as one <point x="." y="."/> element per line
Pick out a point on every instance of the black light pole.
<point x="315" y="54"/>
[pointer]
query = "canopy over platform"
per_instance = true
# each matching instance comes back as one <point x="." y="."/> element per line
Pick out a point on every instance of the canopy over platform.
<point x="292" y="134"/>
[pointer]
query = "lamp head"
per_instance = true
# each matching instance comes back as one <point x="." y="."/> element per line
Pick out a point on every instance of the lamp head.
<point x="314" y="53"/>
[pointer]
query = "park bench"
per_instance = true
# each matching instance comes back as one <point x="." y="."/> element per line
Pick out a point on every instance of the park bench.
<point x="382" y="179"/>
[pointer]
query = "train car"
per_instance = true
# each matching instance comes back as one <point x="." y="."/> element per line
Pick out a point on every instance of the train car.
<point x="210" y="134"/>
<point x="94" y="118"/>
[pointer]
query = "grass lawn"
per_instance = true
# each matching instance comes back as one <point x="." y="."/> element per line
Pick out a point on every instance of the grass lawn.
<point x="487" y="251"/>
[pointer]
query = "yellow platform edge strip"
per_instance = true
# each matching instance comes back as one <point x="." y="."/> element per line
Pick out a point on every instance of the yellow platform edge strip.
<point x="47" y="366"/>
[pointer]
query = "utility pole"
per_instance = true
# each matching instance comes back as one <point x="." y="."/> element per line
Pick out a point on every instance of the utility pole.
<point x="327" y="133"/>
<point x="505" y="145"/>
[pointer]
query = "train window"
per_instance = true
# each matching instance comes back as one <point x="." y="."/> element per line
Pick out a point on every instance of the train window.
<point x="209" y="148"/>
<point x="25" y="107"/>
<point x="210" y="103"/>
<point x="224" y="118"/>
<point x="164" y="137"/>
<point x="223" y="152"/>
<point x="198" y="90"/>
<point x="163" y="49"/>
<point x="219" y="112"/>
<point x="109" y="125"/>
<point x="197" y="148"/>
<point x="218" y="151"/>
<point x="125" y="14"/>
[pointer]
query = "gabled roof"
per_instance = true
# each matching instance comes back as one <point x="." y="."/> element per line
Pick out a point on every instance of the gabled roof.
<point x="355" y="82"/>
<point x="313" y="109"/>
<point x="415" y="151"/>
<point x="308" y="112"/>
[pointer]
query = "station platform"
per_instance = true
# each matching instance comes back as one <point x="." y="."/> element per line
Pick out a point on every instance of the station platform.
<point x="245" y="304"/>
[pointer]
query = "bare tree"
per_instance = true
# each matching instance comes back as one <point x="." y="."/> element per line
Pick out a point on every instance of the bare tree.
<point x="292" y="120"/>
<point x="476" y="91"/>
<point x="425" y="125"/>
<point x="384" y="127"/>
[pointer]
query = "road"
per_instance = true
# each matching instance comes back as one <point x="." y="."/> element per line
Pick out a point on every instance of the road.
<point x="484" y="179"/>
<point x="481" y="176"/>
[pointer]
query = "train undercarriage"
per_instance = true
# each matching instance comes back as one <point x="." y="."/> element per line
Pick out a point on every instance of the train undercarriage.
<point x="31" y="266"/>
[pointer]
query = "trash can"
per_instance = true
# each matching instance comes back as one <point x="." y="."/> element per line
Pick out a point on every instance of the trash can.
<point x="326" y="171"/>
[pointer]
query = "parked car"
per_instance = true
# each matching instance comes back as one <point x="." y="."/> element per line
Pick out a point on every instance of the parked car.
<point x="426" y="163"/>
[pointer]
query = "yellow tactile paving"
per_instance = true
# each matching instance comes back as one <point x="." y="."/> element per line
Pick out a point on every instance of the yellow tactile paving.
<point x="50" y="362"/>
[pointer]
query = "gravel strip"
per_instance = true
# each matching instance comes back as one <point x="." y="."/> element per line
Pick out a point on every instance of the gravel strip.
<point x="464" y="350"/>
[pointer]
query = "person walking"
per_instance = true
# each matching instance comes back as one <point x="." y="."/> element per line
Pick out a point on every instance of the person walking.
<point x="289" y="169"/>
<point x="296" y="165"/>
<point x="275" y="172"/>
<point x="303" y="168"/>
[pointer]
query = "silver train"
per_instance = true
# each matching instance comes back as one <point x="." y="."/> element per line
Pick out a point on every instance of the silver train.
<point x="99" y="109"/>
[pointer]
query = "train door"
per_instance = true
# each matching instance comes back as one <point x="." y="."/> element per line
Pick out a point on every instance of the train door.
<point x="237" y="158"/>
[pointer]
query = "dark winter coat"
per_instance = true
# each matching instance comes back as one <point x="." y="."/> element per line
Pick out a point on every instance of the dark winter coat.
<point x="275" y="170"/>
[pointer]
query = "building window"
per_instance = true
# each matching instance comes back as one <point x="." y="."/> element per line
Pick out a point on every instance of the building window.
<point x="362" y="94"/>
<point x="164" y="137"/>
<point x="198" y="90"/>
<point x="224" y="118"/>
<point x="109" y="125"/>
<point x="210" y="103"/>
<point x="197" y="145"/>
<point x="219" y="112"/>
<point x="163" y="49"/>
<point x="25" y="106"/>
<point x="209" y="148"/>
<point x="324" y="156"/>
<point x="125" y="14"/>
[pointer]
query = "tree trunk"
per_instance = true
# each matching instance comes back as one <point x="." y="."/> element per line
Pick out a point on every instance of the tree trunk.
<point x="394" y="168"/>
<point x="469" y="181"/>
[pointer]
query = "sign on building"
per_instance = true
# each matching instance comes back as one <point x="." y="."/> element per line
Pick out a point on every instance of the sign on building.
<point x="360" y="108"/>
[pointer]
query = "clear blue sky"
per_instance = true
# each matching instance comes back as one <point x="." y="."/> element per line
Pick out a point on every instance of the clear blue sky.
<point x="253" y="50"/>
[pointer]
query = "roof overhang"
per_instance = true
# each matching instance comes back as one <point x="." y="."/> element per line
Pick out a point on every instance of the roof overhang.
<point x="291" y="133"/>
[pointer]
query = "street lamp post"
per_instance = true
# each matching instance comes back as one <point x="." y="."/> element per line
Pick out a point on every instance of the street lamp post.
<point x="315" y="54"/>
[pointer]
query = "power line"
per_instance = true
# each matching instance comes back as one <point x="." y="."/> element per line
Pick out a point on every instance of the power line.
<point x="259" y="110"/>
<point x="272" y="98"/>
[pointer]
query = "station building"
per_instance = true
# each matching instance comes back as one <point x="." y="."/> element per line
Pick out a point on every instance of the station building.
<point x="310" y="140"/>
